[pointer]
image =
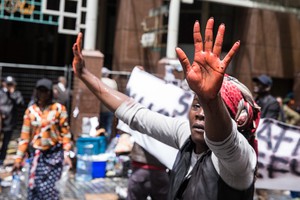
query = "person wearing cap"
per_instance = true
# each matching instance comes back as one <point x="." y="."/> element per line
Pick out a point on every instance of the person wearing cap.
<point x="216" y="157"/>
<point x="10" y="100"/>
<point x="270" y="107"/>
<point x="46" y="136"/>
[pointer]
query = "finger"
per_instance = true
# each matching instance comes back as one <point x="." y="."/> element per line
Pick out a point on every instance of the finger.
<point x="208" y="42"/>
<point x="217" y="49"/>
<point x="230" y="54"/>
<point x="74" y="48"/>
<point x="185" y="63"/>
<point x="198" y="43"/>
<point x="79" y="42"/>
<point x="77" y="47"/>
<point x="75" y="59"/>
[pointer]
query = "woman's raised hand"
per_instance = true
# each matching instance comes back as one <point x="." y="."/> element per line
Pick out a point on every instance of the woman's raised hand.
<point x="205" y="75"/>
<point x="78" y="61"/>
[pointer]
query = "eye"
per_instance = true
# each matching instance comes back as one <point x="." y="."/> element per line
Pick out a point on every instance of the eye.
<point x="196" y="106"/>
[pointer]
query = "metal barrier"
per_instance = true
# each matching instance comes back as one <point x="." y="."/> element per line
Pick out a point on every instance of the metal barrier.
<point x="27" y="75"/>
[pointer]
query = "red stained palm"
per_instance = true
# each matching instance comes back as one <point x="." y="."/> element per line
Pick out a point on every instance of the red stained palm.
<point x="205" y="75"/>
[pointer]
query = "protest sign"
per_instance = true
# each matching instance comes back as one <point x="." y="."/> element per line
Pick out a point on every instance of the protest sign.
<point x="157" y="95"/>
<point x="279" y="155"/>
<point x="162" y="97"/>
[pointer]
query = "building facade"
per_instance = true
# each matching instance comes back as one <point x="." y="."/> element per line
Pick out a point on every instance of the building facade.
<point x="135" y="32"/>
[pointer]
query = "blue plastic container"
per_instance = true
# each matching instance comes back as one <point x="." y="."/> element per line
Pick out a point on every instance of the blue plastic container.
<point x="84" y="166"/>
<point x="99" y="169"/>
<point x="99" y="144"/>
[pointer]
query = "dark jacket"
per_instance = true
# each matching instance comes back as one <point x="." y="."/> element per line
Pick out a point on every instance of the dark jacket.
<point x="204" y="181"/>
<point x="270" y="107"/>
<point x="9" y="108"/>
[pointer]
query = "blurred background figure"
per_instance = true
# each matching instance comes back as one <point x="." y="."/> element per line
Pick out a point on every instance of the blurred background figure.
<point x="281" y="116"/>
<point x="270" y="107"/>
<point x="106" y="116"/>
<point x="149" y="177"/>
<point x="10" y="100"/>
<point x="46" y="136"/>
<point x="61" y="93"/>
<point x="291" y="116"/>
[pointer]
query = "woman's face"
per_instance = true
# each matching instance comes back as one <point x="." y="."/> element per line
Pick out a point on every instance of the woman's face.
<point x="43" y="94"/>
<point x="196" y="118"/>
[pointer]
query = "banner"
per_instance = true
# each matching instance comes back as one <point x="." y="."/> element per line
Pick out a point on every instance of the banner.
<point x="157" y="95"/>
<point x="279" y="155"/>
<point x="162" y="97"/>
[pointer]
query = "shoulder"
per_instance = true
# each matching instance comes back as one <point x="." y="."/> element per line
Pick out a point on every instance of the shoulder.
<point x="18" y="92"/>
<point x="58" y="106"/>
<point x="2" y="92"/>
<point x="270" y="100"/>
<point x="55" y="86"/>
<point x="31" y="109"/>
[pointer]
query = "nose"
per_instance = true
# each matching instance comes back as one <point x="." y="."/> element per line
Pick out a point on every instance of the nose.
<point x="199" y="113"/>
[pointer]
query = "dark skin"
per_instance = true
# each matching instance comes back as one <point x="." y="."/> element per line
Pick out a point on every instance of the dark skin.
<point x="204" y="76"/>
<point x="43" y="96"/>
<point x="197" y="124"/>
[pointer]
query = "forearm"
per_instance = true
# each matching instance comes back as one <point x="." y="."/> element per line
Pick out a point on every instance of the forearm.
<point x="22" y="146"/>
<point x="217" y="120"/>
<point x="171" y="131"/>
<point x="111" y="98"/>
<point x="234" y="159"/>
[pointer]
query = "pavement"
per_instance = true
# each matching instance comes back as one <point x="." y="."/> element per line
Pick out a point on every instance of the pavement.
<point x="100" y="189"/>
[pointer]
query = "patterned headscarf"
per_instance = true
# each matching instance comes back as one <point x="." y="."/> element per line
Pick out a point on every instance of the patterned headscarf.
<point x="242" y="107"/>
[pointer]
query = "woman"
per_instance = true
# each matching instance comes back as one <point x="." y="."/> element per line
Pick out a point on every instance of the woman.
<point x="45" y="134"/>
<point x="215" y="160"/>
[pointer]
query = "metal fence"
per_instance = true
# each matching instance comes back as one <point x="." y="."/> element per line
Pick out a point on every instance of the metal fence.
<point x="26" y="77"/>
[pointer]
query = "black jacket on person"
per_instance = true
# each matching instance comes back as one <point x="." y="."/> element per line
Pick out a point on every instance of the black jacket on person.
<point x="270" y="107"/>
<point x="204" y="181"/>
<point x="9" y="108"/>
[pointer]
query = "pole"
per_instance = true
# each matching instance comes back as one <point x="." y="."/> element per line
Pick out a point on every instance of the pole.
<point x="91" y="25"/>
<point x="172" y="38"/>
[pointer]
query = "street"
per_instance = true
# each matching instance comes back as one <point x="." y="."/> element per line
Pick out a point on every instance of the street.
<point x="102" y="188"/>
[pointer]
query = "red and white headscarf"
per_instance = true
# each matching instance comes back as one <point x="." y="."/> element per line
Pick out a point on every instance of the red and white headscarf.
<point x="242" y="107"/>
